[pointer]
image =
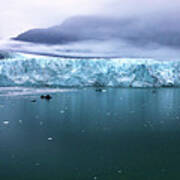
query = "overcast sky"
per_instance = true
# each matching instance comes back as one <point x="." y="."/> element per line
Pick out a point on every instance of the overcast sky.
<point x="17" y="16"/>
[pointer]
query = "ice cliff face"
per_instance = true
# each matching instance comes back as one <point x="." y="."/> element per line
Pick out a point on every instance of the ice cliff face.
<point x="27" y="70"/>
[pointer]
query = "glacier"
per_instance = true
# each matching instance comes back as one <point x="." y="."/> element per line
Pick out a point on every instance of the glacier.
<point x="43" y="71"/>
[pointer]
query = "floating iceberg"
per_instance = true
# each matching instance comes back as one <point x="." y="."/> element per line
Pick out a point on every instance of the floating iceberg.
<point x="34" y="70"/>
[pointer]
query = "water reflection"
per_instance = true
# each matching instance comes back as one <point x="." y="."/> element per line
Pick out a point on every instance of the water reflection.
<point x="84" y="134"/>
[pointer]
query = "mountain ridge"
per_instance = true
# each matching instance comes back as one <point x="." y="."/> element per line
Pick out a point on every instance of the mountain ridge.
<point x="136" y="31"/>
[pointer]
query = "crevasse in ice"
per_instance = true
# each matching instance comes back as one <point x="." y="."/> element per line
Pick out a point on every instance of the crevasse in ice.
<point x="25" y="70"/>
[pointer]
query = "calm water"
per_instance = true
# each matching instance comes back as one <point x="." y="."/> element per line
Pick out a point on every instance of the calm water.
<point x="123" y="134"/>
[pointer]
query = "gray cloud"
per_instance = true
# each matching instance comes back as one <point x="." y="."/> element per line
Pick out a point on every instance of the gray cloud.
<point x="17" y="16"/>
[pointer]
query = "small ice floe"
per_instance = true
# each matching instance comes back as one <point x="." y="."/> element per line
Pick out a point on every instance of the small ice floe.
<point x="5" y="122"/>
<point x="50" y="138"/>
<point x="132" y="112"/>
<point x="95" y="178"/>
<point x="163" y="170"/>
<point x="83" y="131"/>
<point x="145" y="125"/>
<point x="66" y="108"/>
<point x="20" y="121"/>
<point x="108" y="113"/>
<point x="104" y="90"/>
<point x="62" y="111"/>
<point x="119" y="171"/>
<point x="100" y="90"/>
<point x="148" y="124"/>
<point x="12" y="156"/>
<point x="37" y="164"/>
<point x="162" y="122"/>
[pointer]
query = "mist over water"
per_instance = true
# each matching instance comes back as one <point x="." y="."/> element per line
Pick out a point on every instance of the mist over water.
<point x="92" y="49"/>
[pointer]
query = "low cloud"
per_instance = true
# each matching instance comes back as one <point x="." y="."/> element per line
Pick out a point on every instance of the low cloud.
<point x="17" y="16"/>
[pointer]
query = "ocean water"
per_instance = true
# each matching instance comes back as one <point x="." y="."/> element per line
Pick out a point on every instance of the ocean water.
<point x="92" y="128"/>
<point x="82" y="134"/>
